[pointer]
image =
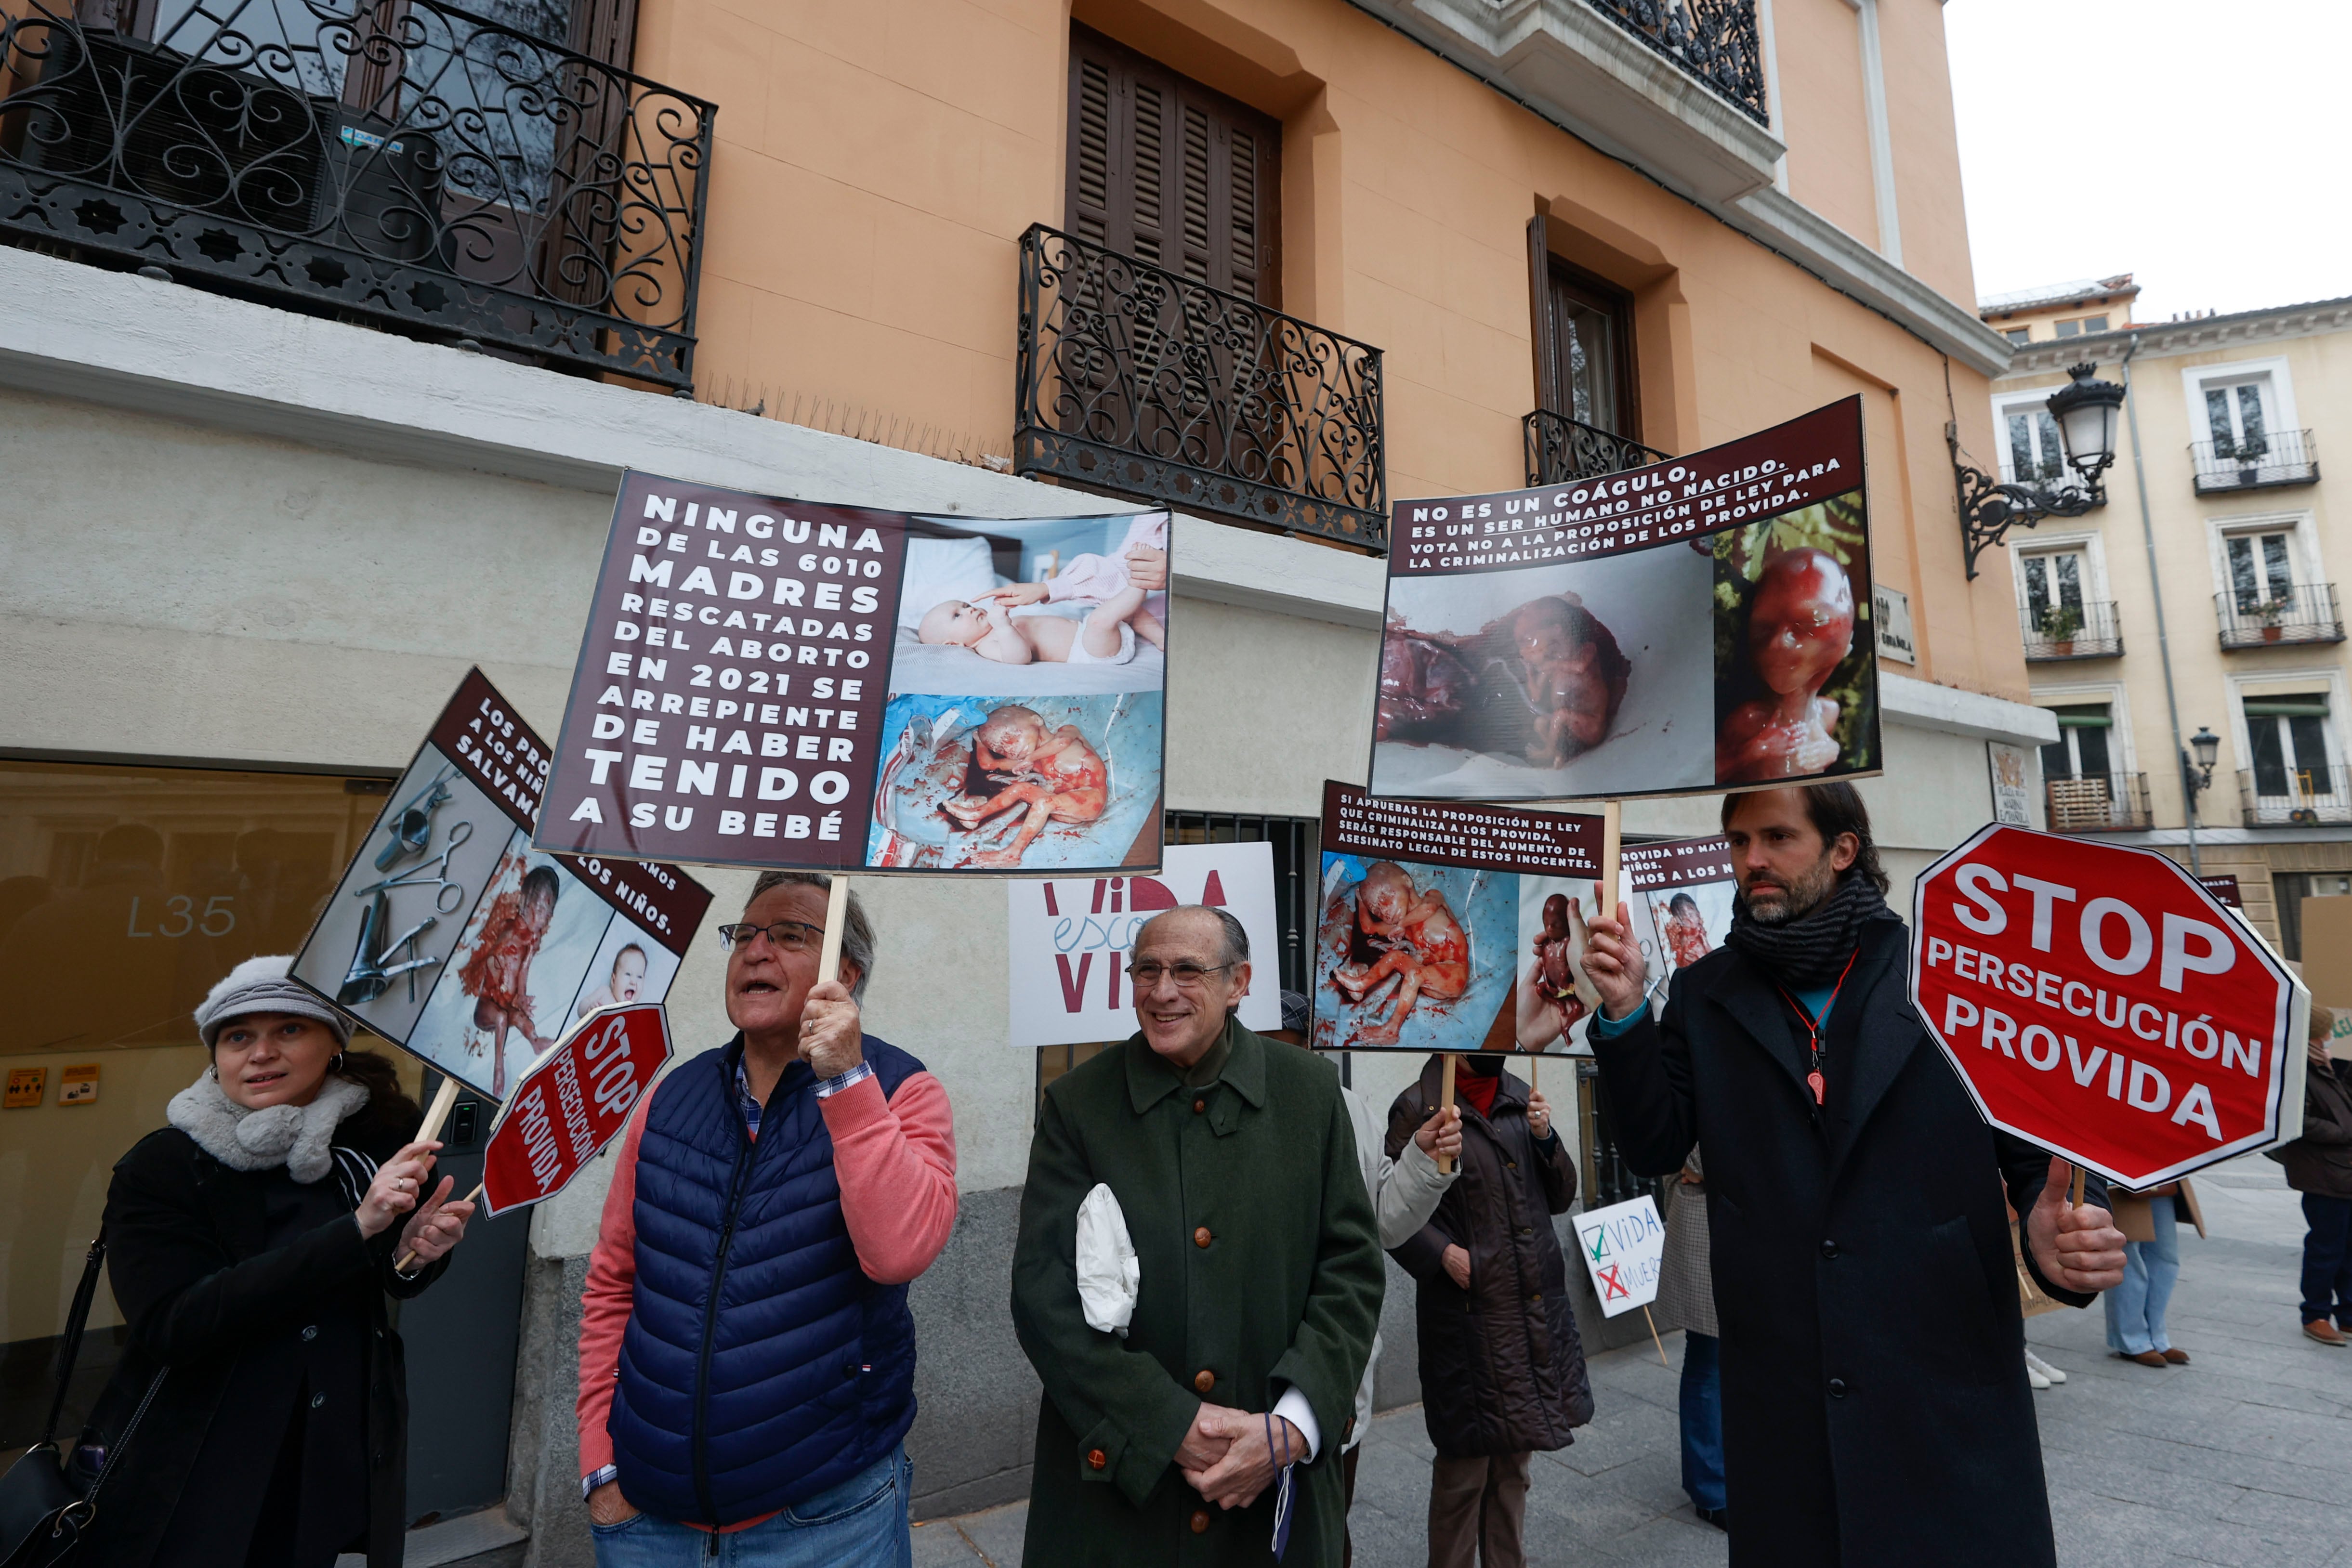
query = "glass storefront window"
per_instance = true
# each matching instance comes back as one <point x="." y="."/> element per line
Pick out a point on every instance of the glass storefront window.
<point x="125" y="892"/>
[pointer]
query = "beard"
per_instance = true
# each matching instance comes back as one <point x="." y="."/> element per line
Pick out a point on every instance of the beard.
<point x="1799" y="896"/>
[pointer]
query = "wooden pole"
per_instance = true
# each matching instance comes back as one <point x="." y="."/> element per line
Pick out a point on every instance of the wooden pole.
<point x="1654" y="1338"/>
<point x="1611" y="835"/>
<point x="837" y="922"/>
<point x="2074" y="1198"/>
<point x="1445" y="1103"/>
<point x="408" y="1258"/>
<point x="445" y="1100"/>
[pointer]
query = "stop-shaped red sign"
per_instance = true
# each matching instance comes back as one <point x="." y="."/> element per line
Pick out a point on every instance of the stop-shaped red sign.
<point x="2101" y="1004"/>
<point x="572" y="1101"/>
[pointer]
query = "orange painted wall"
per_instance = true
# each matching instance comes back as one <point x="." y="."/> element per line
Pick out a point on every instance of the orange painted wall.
<point x="877" y="164"/>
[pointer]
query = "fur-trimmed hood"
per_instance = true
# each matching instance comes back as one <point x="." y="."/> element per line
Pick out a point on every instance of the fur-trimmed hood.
<point x="295" y="1136"/>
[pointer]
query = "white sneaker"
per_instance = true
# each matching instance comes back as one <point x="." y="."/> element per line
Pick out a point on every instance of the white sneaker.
<point x="2036" y="1366"/>
<point x="2034" y="1378"/>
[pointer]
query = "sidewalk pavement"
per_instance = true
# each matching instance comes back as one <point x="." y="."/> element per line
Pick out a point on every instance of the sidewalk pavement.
<point x="2243" y="1457"/>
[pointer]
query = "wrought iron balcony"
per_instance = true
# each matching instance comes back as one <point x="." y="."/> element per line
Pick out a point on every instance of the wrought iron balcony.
<point x="2256" y="462"/>
<point x="2100" y="803"/>
<point x="1560" y="449"/>
<point x="2071" y="632"/>
<point x="2295" y="798"/>
<point x="1715" y="40"/>
<point x="2307" y="613"/>
<point x="401" y="161"/>
<point x="1140" y="380"/>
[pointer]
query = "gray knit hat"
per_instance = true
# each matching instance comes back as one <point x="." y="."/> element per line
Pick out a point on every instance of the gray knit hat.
<point x="261" y="986"/>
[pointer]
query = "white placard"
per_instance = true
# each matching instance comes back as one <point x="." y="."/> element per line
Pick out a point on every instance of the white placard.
<point x="1069" y="940"/>
<point x="2012" y="783"/>
<point x="1624" y="1246"/>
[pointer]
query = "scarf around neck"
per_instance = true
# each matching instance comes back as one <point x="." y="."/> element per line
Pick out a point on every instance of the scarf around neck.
<point x="1812" y="949"/>
<point x="295" y="1136"/>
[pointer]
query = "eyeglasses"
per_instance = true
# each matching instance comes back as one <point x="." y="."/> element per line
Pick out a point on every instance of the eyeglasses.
<point x="785" y="936"/>
<point x="1188" y="976"/>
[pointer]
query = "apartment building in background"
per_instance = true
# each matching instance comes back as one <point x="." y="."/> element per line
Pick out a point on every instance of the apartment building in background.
<point x="2085" y="308"/>
<point x="2230" y="577"/>
<point x="326" y="333"/>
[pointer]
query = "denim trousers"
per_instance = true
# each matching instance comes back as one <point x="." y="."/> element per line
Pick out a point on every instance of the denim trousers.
<point x="2328" y="1259"/>
<point x="2136" y="1307"/>
<point x="863" y="1520"/>
<point x="1702" y="1418"/>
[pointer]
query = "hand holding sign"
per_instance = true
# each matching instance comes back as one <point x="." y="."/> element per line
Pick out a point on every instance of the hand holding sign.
<point x="2074" y="1246"/>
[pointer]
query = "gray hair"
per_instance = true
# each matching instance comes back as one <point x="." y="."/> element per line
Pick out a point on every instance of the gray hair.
<point x="856" y="934"/>
<point x="1236" y="934"/>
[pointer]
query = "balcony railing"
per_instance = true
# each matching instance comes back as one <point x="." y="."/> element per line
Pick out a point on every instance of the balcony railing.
<point x="2281" y="457"/>
<point x="399" y="161"/>
<point x="2071" y="632"/>
<point x="2100" y="803"/>
<point x="2307" y="612"/>
<point x="1560" y="449"/>
<point x="1138" y="380"/>
<point x="1714" y="41"/>
<point x="2295" y="798"/>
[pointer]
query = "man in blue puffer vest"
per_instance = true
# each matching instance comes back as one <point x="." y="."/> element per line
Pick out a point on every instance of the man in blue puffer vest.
<point x="746" y="1360"/>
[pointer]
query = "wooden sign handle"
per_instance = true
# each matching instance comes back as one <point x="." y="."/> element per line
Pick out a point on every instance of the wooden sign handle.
<point x="1654" y="1338"/>
<point x="837" y="923"/>
<point x="1445" y="1103"/>
<point x="1613" y="832"/>
<point x="445" y="1100"/>
<point x="408" y="1258"/>
<point x="2074" y="1198"/>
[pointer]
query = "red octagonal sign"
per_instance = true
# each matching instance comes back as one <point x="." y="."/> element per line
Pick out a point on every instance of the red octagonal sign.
<point x="2098" y="1002"/>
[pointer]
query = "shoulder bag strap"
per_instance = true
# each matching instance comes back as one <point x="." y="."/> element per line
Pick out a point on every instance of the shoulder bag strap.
<point x="69" y="1344"/>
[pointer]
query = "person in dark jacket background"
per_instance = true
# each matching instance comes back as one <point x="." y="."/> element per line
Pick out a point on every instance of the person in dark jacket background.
<point x="2319" y="1165"/>
<point x="1502" y="1368"/>
<point x="251" y="1245"/>
<point x="1875" y="1408"/>
<point x="746" y="1360"/>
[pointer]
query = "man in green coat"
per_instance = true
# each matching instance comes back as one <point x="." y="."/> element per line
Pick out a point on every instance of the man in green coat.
<point x="1235" y="1167"/>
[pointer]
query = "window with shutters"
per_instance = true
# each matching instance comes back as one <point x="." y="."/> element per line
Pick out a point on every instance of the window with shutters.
<point x="1588" y="360"/>
<point x="1172" y="173"/>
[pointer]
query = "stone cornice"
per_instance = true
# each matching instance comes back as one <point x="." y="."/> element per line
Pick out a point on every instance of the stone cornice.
<point x="2243" y="329"/>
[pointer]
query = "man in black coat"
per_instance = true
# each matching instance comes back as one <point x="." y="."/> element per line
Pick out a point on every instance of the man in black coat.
<point x="1874" y="1401"/>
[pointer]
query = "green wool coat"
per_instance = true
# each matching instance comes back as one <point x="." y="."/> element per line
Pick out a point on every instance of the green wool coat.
<point x="1261" y="1266"/>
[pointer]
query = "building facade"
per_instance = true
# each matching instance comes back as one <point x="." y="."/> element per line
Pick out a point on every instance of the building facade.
<point x="285" y="458"/>
<point x="2201" y="596"/>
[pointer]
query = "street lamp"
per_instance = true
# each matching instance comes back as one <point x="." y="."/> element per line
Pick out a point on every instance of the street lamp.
<point x="2085" y="411"/>
<point x="2196" y="777"/>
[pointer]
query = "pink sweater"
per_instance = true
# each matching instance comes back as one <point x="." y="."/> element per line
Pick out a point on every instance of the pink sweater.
<point x="895" y="1158"/>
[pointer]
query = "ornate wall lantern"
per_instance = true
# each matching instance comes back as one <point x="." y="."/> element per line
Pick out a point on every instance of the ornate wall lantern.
<point x="2086" y="411"/>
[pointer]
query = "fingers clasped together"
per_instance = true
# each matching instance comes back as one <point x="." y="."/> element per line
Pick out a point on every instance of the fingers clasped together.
<point x="1227" y="1458"/>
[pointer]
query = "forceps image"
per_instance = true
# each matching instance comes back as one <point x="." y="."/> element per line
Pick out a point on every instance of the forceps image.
<point x="371" y="975"/>
<point x="449" y="896"/>
<point x="412" y="825"/>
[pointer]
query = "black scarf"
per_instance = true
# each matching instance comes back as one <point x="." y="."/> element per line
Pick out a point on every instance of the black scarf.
<point x="1814" y="948"/>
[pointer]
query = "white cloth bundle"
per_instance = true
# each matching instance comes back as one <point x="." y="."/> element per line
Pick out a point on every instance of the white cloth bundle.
<point x="1109" y="1274"/>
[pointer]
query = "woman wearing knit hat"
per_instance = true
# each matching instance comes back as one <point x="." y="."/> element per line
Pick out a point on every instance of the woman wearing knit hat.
<point x="252" y="1246"/>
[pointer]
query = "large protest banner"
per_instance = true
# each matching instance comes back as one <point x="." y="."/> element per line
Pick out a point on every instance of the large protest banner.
<point x="1070" y="941"/>
<point x="1451" y="929"/>
<point x="1547" y="643"/>
<point x="2100" y="1003"/>
<point x="453" y="937"/>
<point x="780" y="683"/>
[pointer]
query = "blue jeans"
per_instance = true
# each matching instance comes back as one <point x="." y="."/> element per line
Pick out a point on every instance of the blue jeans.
<point x="862" y="1520"/>
<point x="2136" y="1307"/>
<point x="1702" y="1418"/>
<point x="2328" y="1259"/>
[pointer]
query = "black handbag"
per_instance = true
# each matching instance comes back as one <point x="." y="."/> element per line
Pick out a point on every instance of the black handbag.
<point x="43" y="1512"/>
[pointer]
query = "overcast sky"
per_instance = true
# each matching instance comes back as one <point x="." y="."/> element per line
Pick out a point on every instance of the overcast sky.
<point x="2201" y="147"/>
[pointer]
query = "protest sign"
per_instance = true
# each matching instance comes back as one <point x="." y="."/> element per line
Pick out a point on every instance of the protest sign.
<point x="1069" y="941"/>
<point x="780" y="683"/>
<point x="452" y="936"/>
<point x="570" y="1104"/>
<point x="1545" y="643"/>
<point x="1451" y="929"/>
<point x="1624" y="1249"/>
<point x="1679" y="893"/>
<point x="2098" y="1002"/>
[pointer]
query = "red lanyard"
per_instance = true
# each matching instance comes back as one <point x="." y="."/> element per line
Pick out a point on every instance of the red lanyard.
<point x="1813" y="1025"/>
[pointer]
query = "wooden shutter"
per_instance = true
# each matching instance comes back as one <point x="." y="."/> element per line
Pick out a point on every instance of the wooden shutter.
<point x="1578" y="316"/>
<point x="1167" y="171"/>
